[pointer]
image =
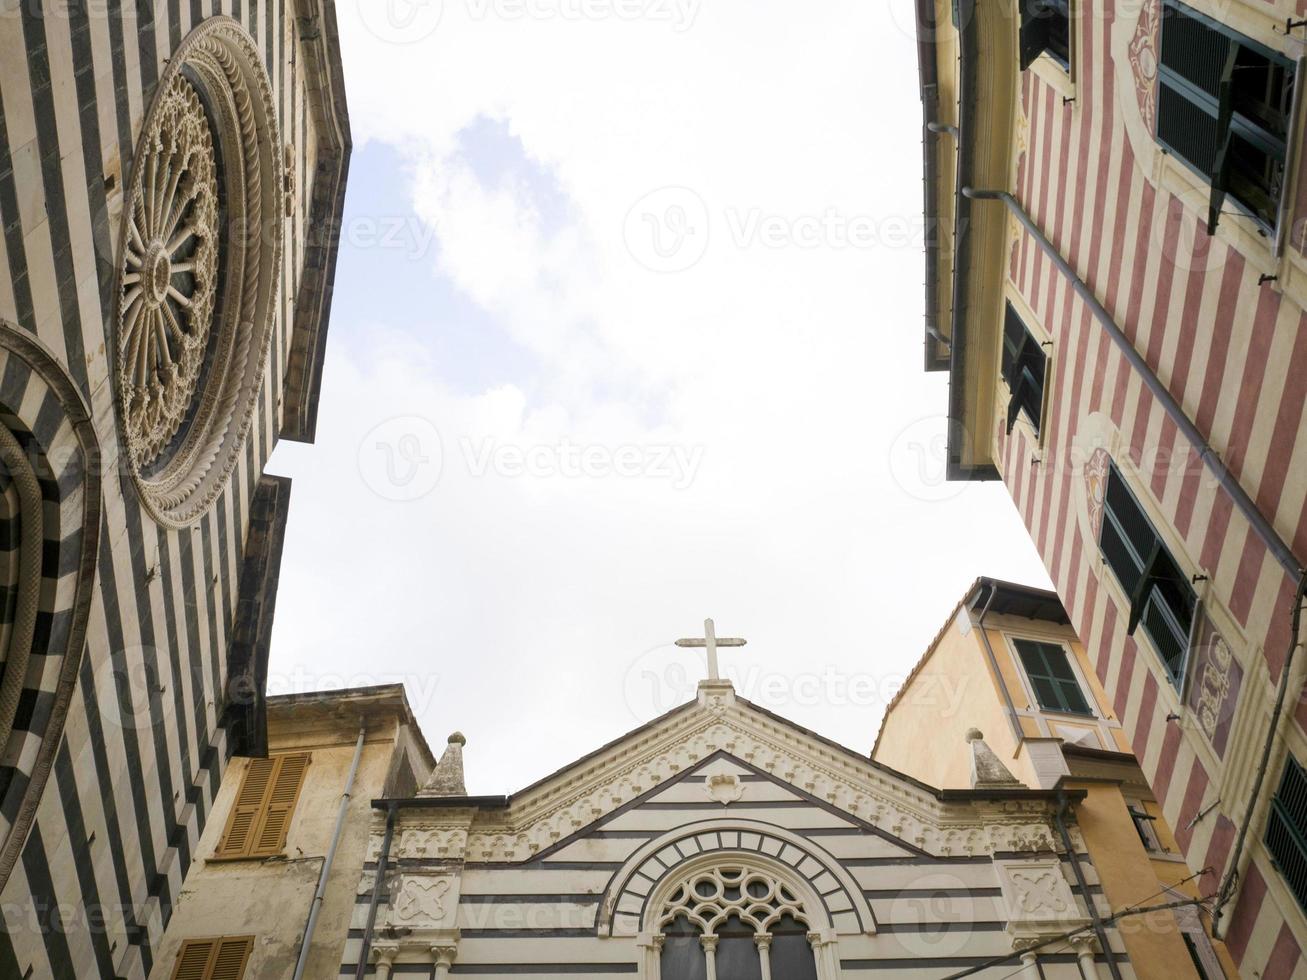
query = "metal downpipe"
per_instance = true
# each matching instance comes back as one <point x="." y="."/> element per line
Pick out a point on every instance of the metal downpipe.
<point x="1059" y="817"/>
<point x="1274" y="543"/>
<point x="316" y="906"/>
<point x="366" y="947"/>
<point x="998" y="674"/>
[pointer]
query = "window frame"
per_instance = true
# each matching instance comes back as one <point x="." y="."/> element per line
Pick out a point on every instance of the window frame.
<point x="1142" y="593"/>
<point x="1238" y="124"/>
<point x="1295" y="830"/>
<point x="1091" y="710"/>
<point x="207" y="972"/>
<point x="250" y="850"/>
<point x="1030" y="343"/>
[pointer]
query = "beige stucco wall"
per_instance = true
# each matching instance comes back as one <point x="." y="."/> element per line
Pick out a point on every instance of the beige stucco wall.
<point x="924" y="733"/>
<point x="269" y="898"/>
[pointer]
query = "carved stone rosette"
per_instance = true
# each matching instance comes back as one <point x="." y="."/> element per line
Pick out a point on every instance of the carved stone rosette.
<point x="199" y="260"/>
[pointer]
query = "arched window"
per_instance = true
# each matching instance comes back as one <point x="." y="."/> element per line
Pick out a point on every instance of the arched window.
<point x="735" y="922"/>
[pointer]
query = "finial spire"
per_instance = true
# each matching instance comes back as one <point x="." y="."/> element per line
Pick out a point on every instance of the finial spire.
<point x="447" y="778"/>
<point x="987" y="770"/>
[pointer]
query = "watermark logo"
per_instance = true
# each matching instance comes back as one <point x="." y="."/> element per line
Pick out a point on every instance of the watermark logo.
<point x="918" y="461"/>
<point x="676" y="464"/>
<point x="667" y="229"/>
<point x="401" y="459"/>
<point x="401" y="21"/>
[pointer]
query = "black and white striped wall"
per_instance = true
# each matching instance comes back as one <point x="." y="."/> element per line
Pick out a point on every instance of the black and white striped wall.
<point x="133" y="734"/>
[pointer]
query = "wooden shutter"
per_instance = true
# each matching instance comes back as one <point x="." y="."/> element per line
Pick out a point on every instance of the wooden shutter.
<point x="230" y="959"/>
<point x="222" y="958"/>
<point x="259" y="819"/>
<point x="283" y="792"/>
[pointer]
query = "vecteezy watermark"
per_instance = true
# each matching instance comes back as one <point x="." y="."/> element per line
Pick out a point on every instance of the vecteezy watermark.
<point x="831" y="229"/>
<point x="680" y="14"/>
<point x="409" y="21"/>
<point x="401" y="21"/>
<point x="677" y="464"/>
<point x="401" y="458"/>
<point x="918" y="461"/>
<point x="667" y="229"/>
<point x="664" y="677"/>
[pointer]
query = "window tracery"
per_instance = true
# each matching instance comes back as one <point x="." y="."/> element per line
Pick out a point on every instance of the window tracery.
<point x="735" y="922"/>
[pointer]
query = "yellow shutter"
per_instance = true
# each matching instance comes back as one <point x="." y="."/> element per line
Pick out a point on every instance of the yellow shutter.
<point x="193" y="960"/>
<point x="213" y="959"/>
<point x="232" y="955"/>
<point x="284" y="791"/>
<point x="249" y="805"/>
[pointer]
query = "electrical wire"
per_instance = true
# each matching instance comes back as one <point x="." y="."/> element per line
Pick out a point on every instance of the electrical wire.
<point x="1125" y="913"/>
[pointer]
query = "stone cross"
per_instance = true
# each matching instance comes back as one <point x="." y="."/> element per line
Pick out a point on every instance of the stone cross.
<point x="711" y="642"/>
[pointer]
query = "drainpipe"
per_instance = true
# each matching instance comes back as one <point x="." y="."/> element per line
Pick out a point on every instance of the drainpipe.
<point x="1059" y="817"/>
<point x="316" y="907"/>
<point x="1226" y="891"/>
<point x="376" y="893"/>
<point x="1274" y="543"/>
<point x="998" y="674"/>
<point x="1242" y="502"/>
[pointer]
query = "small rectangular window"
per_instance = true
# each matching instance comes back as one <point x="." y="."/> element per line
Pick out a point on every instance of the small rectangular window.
<point x="261" y="814"/>
<point x="1224" y="106"/>
<point x="1286" y="829"/>
<point x="1051" y="675"/>
<point x="1024" y="364"/>
<point x="220" y="958"/>
<point x="1161" y="595"/>
<point x="1045" y="29"/>
<point x="1143" y="822"/>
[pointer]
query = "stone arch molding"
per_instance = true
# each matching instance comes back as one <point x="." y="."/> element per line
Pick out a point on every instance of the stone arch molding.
<point x="832" y="901"/>
<point x="199" y="271"/>
<point x="50" y="509"/>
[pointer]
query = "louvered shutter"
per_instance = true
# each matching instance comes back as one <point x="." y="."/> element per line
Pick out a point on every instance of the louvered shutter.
<point x="270" y="832"/>
<point x="232" y="955"/>
<point x="248" y="809"/>
<point x="193" y="960"/>
<point x="224" y="958"/>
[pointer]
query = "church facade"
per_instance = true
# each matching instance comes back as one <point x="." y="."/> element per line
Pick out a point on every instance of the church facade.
<point x="171" y="177"/>
<point x="721" y="841"/>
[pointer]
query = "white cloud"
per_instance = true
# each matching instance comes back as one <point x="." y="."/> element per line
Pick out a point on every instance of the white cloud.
<point x="540" y="602"/>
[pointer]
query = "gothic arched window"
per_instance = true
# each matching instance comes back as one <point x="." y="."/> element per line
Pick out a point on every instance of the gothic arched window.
<point x="735" y="922"/>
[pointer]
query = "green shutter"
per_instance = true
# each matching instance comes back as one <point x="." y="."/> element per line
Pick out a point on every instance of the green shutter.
<point x="1286" y="829"/>
<point x="1023" y="367"/>
<point x="1051" y="675"/>
<point x="1162" y="598"/>
<point x="1223" y="107"/>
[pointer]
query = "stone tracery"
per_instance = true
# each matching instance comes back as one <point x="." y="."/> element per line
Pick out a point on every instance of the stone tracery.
<point x="200" y="251"/>
<point x="169" y="281"/>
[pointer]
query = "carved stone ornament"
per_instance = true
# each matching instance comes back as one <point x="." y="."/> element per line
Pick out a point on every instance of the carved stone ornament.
<point x="1037" y="897"/>
<point x="199" y="271"/>
<point x="724" y="788"/>
<point x="559" y="809"/>
<point x="421" y="901"/>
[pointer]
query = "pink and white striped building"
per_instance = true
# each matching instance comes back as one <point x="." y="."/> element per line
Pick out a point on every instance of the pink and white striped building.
<point x="1117" y="290"/>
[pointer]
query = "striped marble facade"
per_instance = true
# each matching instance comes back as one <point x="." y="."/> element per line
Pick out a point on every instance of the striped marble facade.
<point x="1230" y="344"/>
<point x="144" y="742"/>
<point x="562" y="878"/>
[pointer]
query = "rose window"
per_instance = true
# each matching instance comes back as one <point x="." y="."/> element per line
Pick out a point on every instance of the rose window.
<point x="199" y="271"/>
<point x="168" y="285"/>
<point x="735" y="923"/>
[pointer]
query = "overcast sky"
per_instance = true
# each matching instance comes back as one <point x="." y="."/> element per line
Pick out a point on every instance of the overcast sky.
<point x="627" y="332"/>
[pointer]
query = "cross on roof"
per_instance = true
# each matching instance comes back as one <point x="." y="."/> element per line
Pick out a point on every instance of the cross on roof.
<point x="711" y="641"/>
